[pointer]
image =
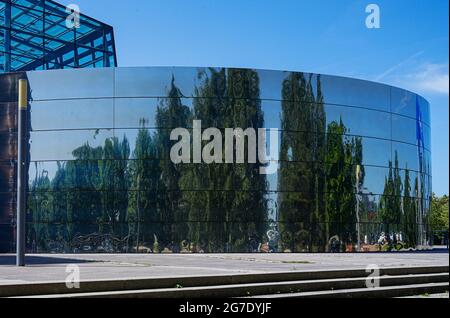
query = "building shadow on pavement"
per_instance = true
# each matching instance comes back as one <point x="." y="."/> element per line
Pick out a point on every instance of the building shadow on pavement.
<point x="10" y="260"/>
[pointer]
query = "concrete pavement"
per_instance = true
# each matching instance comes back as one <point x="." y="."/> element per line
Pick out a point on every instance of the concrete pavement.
<point x="104" y="266"/>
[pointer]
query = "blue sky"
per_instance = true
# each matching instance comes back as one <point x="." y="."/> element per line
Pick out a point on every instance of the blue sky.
<point x="410" y="50"/>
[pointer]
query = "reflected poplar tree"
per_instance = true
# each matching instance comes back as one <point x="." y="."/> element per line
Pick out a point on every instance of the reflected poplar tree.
<point x="207" y="210"/>
<point x="170" y="114"/>
<point x="121" y="154"/>
<point x="229" y="211"/>
<point x="409" y="212"/>
<point x="344" y="154"/>
<point x="248" y="215"/>
<point x="106" y="187"/>
<point x="390" y="203"/>
<point x="113" y="171"/>
<point x="144" y="170"/>
<point x="59" y="206"/>
<point x="40" y="208"/>
<point x="84" y="204"/>
<point x="301" y="175"/>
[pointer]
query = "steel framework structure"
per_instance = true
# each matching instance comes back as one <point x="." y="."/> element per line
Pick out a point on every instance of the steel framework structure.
<point x="34" y="36"/>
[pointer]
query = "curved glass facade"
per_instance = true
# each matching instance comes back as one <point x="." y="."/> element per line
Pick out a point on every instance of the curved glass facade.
<point x="353" y="163"/>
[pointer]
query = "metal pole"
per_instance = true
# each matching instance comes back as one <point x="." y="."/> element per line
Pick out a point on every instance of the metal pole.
<point x="358" y="229"/>
<point x="21" y="159"/>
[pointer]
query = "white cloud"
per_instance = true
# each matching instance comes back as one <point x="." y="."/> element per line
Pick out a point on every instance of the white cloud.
<point x="432" y="78"/>
<point x="420" y="77"/>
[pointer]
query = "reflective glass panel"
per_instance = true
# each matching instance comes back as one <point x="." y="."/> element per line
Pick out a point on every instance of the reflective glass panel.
<point x="404" y="102"/>
<point x="62" y="84"/>
<point x="353" y="92"/>
<point x="68" y="145"/>
<point x="358" y="121"/>
<point x="404" y="129"/>
<point x="407" y="156"/>
<point x="72" y="114"/>
<point x="158" y="81"/>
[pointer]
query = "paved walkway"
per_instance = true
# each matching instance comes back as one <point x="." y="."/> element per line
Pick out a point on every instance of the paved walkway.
<point x="431" y="296"/>
<point x="103" y="266"/>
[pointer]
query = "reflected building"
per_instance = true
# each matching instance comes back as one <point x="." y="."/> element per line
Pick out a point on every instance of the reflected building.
<point x="353" y="167"/>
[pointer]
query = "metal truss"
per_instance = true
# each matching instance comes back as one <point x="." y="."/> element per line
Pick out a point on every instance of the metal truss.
<point x="34" y="36"/>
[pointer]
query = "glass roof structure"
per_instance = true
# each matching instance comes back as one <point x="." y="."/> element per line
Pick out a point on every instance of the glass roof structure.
<point x="34" y="36"/>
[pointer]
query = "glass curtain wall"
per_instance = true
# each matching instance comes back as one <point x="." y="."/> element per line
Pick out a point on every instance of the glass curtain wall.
<point x="353" y="163"/>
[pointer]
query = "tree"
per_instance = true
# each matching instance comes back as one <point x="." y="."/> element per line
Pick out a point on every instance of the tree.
<point x="439" y="213"/>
